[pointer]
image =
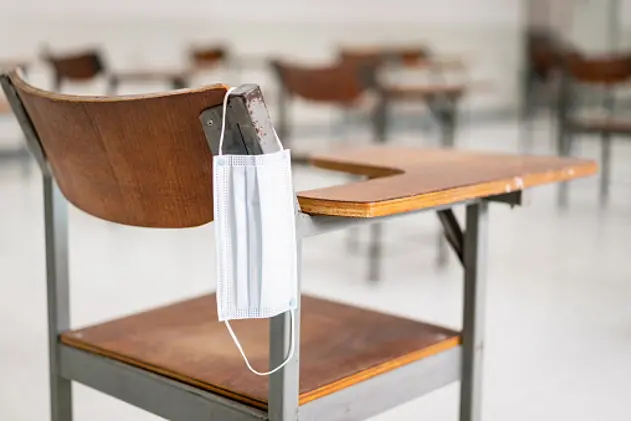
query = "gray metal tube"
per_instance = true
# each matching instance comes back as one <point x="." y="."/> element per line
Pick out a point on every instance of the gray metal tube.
<point x="475" y="251"/>
<point x="58" y="295"/>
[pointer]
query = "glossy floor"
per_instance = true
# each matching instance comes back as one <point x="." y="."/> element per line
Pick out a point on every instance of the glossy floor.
<point x="559" y="292"/>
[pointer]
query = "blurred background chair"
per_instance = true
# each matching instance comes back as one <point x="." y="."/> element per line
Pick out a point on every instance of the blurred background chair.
<point x="428" y="82"/>
<point x="591" y="82"/>
<point x="345" y="85"/>
<point x="545" y="53"/>
<point x="209" y="63"/>
<point x="86" y="65"/>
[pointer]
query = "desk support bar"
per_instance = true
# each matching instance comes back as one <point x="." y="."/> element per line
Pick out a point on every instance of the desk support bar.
<point x="453" y="232"/>
<point x="475" y="243"/>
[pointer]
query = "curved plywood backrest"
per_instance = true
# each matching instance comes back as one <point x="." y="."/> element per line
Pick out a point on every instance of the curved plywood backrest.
<point x="340" y="83"/>
<point x="77" y="66"/>
<point x="136" y="160"/>
<point x="600" y="70"/>
<point x="207" y="56"/>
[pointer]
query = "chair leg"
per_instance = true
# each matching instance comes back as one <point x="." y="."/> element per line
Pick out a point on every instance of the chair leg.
<point x="605" y="150"/>
<point x="283" y="391"/>
<point x="448" y="125"/>
<point x="527" y="114"/>
<point x="475" y="247"/>
<point x="57" y="290"/>
<point x="564" y="148"/>
<point x="375" y="253"/>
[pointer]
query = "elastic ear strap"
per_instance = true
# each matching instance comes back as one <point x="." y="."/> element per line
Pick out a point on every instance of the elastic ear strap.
<point x="277" y="139"/>
<point x="223" y="119"/>
<point x="292" y="348"/>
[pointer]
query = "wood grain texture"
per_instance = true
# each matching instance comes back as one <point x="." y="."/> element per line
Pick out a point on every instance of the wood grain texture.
<point x="138" y="160"/>
<point x="340" y="346"/>
<point x="338" y="83"/>
<point x="405" y="179"/>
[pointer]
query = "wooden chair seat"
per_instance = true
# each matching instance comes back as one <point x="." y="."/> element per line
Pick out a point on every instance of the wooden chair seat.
<point x="404" y="179"/>
<point x="605" y="124"/>
<point x="340" y="346"/>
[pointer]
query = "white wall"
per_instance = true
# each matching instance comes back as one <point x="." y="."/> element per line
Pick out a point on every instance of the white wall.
<point x="396" y="11"/>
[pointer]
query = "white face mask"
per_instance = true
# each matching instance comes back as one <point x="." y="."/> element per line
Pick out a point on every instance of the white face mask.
<point x="254" y="204"/>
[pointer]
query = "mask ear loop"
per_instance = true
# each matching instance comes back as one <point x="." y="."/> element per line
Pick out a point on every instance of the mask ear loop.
<point x="223" y="119"/>
<point x="292" y="348"/>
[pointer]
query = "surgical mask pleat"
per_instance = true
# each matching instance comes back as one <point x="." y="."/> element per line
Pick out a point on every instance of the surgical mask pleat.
<point x="254" y="238"/>
<point x="240" y="245"/>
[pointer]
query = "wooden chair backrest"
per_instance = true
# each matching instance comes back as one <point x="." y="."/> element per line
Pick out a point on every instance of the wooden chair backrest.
<point x="136" y="160"/>
<point x="207" y="56"/>
<point x="545" y="53"/>
<point x="609" y="70"/>
<point x="336" y="84"/>
<point x="79" y="66"/>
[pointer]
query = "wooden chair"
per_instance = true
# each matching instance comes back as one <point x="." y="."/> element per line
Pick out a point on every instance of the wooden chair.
<point x="207" y="57"/>
<point x="345" y="85"/>
<point x="606" y="73"/>
<point x="545" y="54"/>
<point x="178" y="361"/>
<point x="338" y="85"/>
<point x="342" y="85"/>
<point x="88" y="64"/>
<point x="441" y="97"/>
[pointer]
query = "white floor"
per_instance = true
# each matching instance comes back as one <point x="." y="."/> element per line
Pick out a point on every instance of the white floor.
<point x="559" y="292"/>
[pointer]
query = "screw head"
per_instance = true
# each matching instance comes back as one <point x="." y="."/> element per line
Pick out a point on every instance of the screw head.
<point x="209" y="122"/>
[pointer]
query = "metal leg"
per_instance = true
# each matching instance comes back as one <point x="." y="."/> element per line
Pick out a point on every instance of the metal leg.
<point x="58" y="295"/>
<point x="380" y="132"/>
<point x="447" y="120"/>
<point x="527" y="113"/>
<point x="374" y="253"/>
<point x="564" y="142"/>
<point x="450" y="234"/>
<point x="179" y="82"/>
<point x="284" y="384"/>
<point x="112" y="85"/>
<point x="380" y="120"/>
<point x="475" y="243"/>
<point x="606" y="167"/>
<point x="448" y="125"/>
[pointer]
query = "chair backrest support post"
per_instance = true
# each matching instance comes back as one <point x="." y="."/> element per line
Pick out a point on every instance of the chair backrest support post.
<point x="32" y="140"/>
